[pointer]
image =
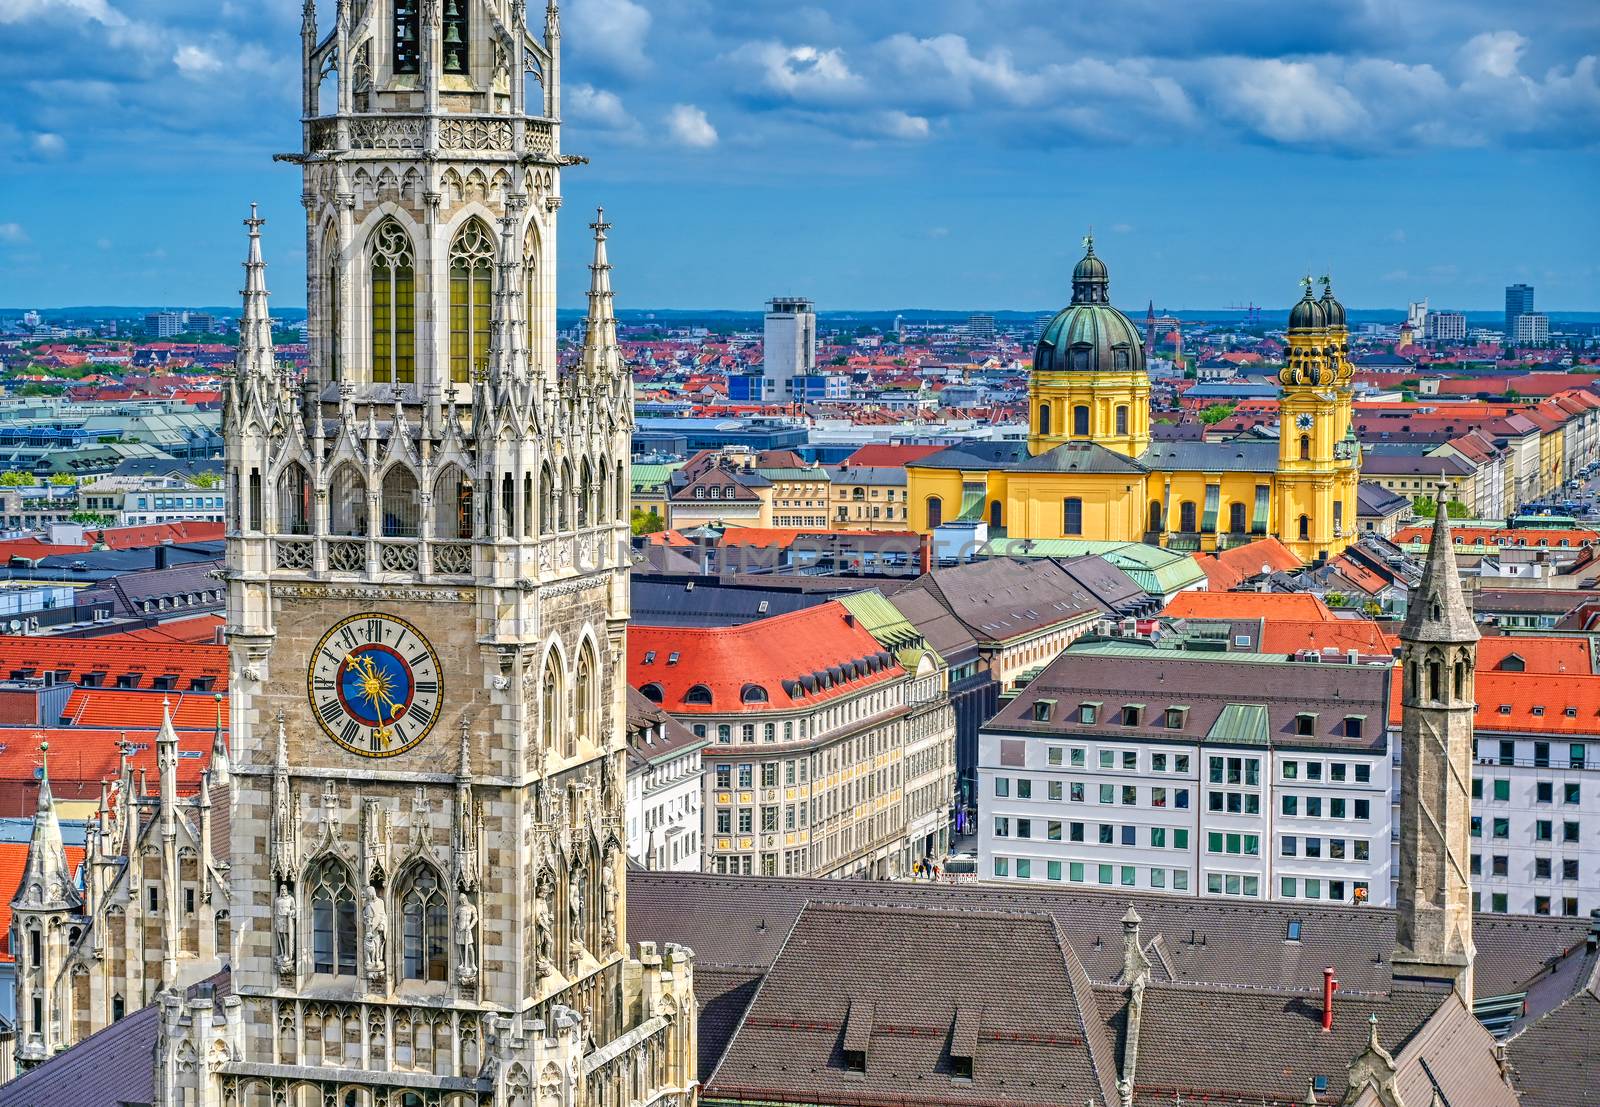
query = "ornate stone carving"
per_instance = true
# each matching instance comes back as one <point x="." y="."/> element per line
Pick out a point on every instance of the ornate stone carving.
<point x="466" y="940"/>
<point x="284" y="914"/>
<point x="375" y="934"/>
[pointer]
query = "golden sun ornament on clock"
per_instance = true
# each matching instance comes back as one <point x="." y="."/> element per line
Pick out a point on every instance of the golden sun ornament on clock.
<point x="375" y="684"/>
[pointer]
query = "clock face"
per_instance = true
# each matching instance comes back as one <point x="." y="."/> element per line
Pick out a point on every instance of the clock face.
<point x="1303" y="422"/>
<point x="375" y="684"/>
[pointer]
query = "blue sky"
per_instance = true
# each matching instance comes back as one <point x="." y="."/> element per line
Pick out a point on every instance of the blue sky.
<point x="876" y="153"/>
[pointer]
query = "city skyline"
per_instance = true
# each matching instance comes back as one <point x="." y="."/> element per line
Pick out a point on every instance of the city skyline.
<point x="1218" y="156"/>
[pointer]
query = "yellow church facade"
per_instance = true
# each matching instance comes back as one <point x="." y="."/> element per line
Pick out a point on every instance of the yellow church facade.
<point x="1090" y="468"/>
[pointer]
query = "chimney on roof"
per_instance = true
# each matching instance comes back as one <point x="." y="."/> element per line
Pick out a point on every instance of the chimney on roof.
<point x="1329" y="986"/>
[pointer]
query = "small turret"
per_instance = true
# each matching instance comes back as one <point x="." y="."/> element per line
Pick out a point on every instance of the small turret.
<point x="600" y="327"/>
<point x="46" y="879"/>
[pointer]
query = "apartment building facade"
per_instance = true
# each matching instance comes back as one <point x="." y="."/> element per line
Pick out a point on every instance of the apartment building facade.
<point x="664" y="790"/>
<point x="820" y="742"/>
<point x="1190" y="773"/>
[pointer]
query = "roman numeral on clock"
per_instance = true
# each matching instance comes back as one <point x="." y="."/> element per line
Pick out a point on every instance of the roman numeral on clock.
<point x="348" y="734"/>
<point x="427" y="687"/>
<point x="330" y="710"/>
<point x="420" y="714"/>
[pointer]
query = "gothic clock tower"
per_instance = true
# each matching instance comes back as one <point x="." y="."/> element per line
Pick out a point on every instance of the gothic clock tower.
<point x="428" y="593"/>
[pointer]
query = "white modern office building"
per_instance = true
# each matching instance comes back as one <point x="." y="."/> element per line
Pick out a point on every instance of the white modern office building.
<point x="1193" y="773"/>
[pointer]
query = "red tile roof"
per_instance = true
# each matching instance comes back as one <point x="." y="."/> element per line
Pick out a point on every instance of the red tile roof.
<point x="890" y="456"/>
<point x="1501" y="536"/>
<point x="101" y="707"/>
<point x="115" y="656"/>
<point x="1228" y="568"/>
<point x="1551" y="655"/>
<point x="1338" y="635"/>
<point x="80" y="758"/>
<point x="1561" y="706"/>
<point x="197" y="630"/>
<point x="729" y="661"/>
<point x="1248" y="605"/>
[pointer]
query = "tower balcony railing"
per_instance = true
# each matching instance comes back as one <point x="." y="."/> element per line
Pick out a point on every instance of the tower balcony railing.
<point x="413" y="133"/>
<point x="583" y="550"/>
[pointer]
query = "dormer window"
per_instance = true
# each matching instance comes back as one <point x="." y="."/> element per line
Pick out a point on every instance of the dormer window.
<point x="1088" y="712"/>
<point x="650" y="657"/>
<point x="1131" y="713"/>
<point x="1352" y="725"/>
<point x="1042" y="710"/>
<point x="1176" y="717"/>
<point x="1305" y="724"/>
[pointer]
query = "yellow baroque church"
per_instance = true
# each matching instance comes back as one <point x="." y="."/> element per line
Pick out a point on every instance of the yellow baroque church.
<point x="1090" y="470"/>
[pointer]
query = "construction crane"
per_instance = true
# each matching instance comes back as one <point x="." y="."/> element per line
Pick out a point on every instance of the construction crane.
<point x="1252" y="313"/>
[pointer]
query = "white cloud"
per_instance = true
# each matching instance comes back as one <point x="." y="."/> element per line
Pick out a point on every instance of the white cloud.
<point x="1496" y="54"/>
<point x="196" y="61"/>
<point x="800" y="72"/>
<point x="584" y="103"/>
<point x="899" y="124"/>
<point x="18" y="11"/>
<point x="612" y="30"/>
<point x="49" y="145"/>
<point x="12" y="233"/>
<point x="1290" y="102"/>
<point x="689" y="126"/>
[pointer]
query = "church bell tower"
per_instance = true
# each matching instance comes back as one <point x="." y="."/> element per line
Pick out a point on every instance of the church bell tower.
<point x="1438" y="662"/>
<point x="428" y="595"/>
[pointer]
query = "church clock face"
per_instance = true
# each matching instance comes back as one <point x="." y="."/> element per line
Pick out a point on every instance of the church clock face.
<point x="375" y="684"/>
<point x="1303" y="421"/>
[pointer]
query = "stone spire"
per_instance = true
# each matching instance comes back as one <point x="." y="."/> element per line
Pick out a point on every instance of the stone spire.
<point x="46" y="879"/>
<point x="600" y="330"/>
<point x="256" y="356"/>
<point x="1438" y="611"/>
<point x="1438" y="656"/>
<point x="167" y="767"/>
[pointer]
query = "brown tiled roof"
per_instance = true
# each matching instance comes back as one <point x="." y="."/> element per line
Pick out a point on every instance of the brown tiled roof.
<point x="112" y="1068"/>
<point x="899" y="993"/>
<point x="1555" y="1051"/>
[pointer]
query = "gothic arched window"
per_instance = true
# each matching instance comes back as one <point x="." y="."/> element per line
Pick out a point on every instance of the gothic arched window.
<point x="585" y="492"/>
<point x="471" y="277"/>
<point x="550" y="701"/>
<point x="333" y="919"/>
<point x="332" y="323"/>
<point x="401" y="513"/>
<point x="424" y="925"/>
<point x="564" y="498"/>
<point x="547" y="499"/>
<point x="407" y="23"/>
<point x="532" y="293"/>
<point x="347" y="505"/>
<point x="584" y="702"/>
<point x="394" y="307"/>
<point x="452" y="505"/>
<point x="456" y="43"/>
<point x="294" y="500"/>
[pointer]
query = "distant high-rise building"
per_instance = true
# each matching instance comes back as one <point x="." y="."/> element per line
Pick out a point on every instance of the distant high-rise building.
<point x="1519" y="301"/>
<point x="980" y="326"/>
<point x="199" y="322"/>
<point x="1040" y="322"/>
<point x="1446" y="326"/>
<point x="1532" y="328"/>
<point x="789" y="347"/>
<point x="163" y="324"/>
<point x="1417" y="314"/>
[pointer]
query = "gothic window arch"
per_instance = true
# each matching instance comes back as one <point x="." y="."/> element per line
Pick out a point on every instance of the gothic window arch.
<point x="602" y="482"/>
<point x="333" y="918"/>
<point x="401" y="516"/>
<point x="532" y="293"/>
<point x="471" y="292"/>
<point x="424" y="924"/>
<point x="347" y="503"/>
<point x="452" y="504"/>
<point x="407" y="38"/>
<point x="585" y="701"/>
<point x="547" y="499"/>
<point x="619" y="499"/>
<point x="294" y="500"/>
<point x="564" y="498"/>
<point x="550" y="701"/>
<point x="585" y="493"/>
<point x="332" y="320"/>
<point x="394" y="305"/>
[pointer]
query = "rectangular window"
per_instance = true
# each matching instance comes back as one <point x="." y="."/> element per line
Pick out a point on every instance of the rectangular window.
<point x="1052" y="830"/>
<point x="1214" y="842"/>
<point x="1130" y="795"/>
<point x="1158" y="837"/>
<point x="1104" y="874"/>
<point x="1108" y="759"/>
<point x="1502" y="790"/>
<point x="1077" y="791"/>
<point x="1363" y="809"/>
<point x="1108" y="793"/>
<point x="1002" y="786"/>
<point x="1075" y="832"/>
<point x="1072" y="516"/>
<point x="1077" y="757"/>
<point x="1052" y="870"/>
<point x="1502" y="828"/>
<point x="1002" y="827"/>
<point x="1075" y="871"/>
<point x="1002" y="866"/>
<point x="1130" y="876"/>
<point x="1024" y="788"/>
<point x="1570" y="792"/>
<point x="1024" y="868"/>
<point x="1158" y="878"/>
<point x="1180" y="839"/>
<point x="1107" y="834"/>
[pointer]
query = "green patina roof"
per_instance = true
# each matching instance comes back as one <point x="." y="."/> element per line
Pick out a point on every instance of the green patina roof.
<point x="653" y="475"/>
<point x="776" y="473"/>
<point x="1241" y="722"/>
<point x="971" y="505"/>
<point x="1156" y="570"/>
<point x="892" y="629"/>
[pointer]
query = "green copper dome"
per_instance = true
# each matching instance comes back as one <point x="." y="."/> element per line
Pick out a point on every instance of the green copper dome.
<point x="1089" y="335"/>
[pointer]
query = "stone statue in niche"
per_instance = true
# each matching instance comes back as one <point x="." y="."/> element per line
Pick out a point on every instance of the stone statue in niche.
<point x="466" y="940"/>
<point x="284" y="911"/>
<point x="608" y="901"/>
<point x="544" y="925"/>
<point x="375" y="923"/>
